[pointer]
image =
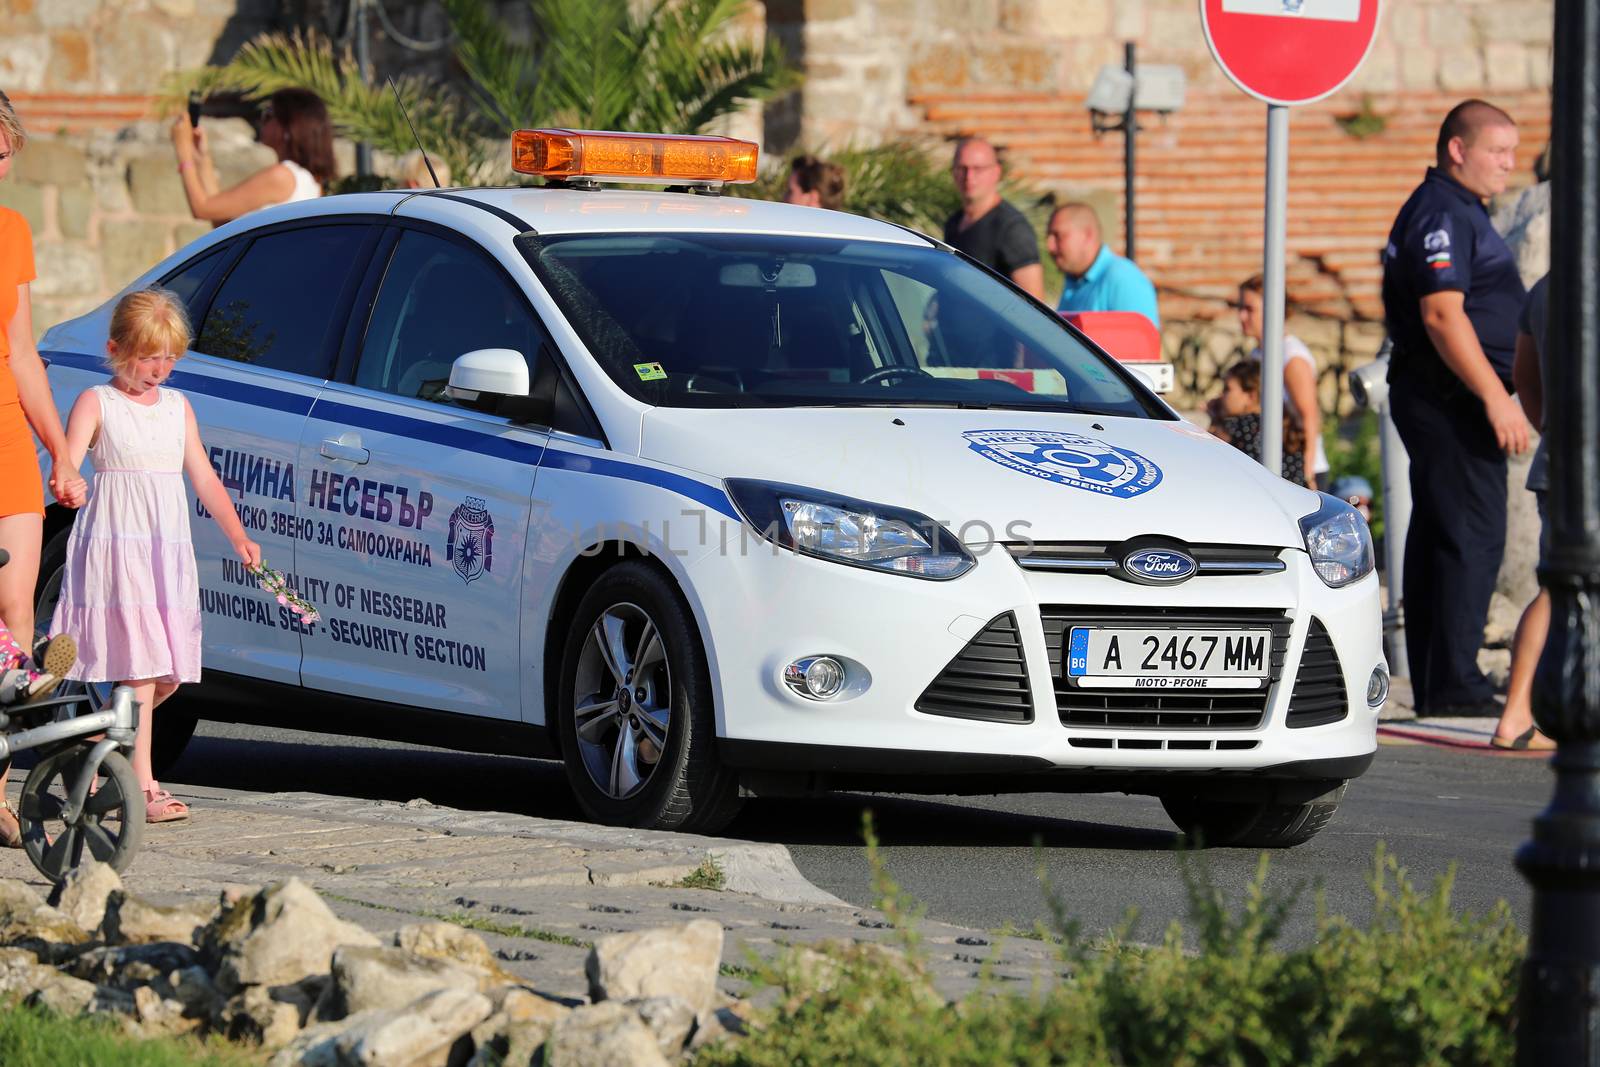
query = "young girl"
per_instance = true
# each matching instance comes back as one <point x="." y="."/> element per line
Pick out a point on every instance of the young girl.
<point x="1236" y="418"/>
<point x="131" y="596"/>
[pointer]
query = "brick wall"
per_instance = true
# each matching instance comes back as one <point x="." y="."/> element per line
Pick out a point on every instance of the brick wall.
<point x="1017" y="71"/>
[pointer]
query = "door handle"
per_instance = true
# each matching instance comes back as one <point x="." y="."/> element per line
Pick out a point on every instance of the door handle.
<point x="346" y="447"/>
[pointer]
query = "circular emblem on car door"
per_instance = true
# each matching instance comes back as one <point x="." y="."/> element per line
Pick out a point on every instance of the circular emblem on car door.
<point x="1161" y="566"/>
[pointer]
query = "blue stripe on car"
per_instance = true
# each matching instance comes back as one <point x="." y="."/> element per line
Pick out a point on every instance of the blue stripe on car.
<point x="465" y="439"/>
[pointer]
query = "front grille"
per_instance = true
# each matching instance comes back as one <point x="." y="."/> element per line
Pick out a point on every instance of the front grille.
<point x="1227" y="709"/>
<point x="988" y="680"/>
<point x="1172" y="744"/>
<point x="1319" y="695"/>
<point x="1103" y="557"/>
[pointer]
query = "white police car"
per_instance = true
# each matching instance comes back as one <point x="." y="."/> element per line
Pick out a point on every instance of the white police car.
<point x="712" y="496"/>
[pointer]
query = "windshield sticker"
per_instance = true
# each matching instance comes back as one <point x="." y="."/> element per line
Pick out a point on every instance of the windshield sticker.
<point x="1068" y="459"/>
<point x="650" y="372"/>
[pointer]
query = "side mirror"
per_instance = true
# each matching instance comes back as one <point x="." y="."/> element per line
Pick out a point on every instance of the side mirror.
<point x="488" y="372"/>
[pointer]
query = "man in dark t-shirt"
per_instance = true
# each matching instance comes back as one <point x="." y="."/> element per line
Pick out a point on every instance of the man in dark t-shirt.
<point x="1451" y="294"/>
<point x="987" y="228"/>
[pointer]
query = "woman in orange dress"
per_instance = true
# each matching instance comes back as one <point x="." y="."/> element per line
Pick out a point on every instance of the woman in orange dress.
<point x="26" y="409"/>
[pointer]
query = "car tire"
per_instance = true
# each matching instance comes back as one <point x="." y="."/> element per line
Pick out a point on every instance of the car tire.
<point x="1251" y="824"/>
<point x="644" y="753"/>
<point x="174" y="725"/>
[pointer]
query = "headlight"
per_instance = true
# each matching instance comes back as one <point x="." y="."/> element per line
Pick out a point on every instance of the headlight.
<point x="1339" y="542"/>
<point x="849" y="531"/>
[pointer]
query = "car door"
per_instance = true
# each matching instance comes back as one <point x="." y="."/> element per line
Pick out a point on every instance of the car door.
<point x="269" y="311"/>
<point x="417" y="507"/>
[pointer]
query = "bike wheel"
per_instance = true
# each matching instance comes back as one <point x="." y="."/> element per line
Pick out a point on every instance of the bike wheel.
<point x="108" y="829"/>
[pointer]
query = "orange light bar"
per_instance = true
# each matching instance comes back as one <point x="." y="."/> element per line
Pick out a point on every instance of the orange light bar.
<point x="632" y="157"/>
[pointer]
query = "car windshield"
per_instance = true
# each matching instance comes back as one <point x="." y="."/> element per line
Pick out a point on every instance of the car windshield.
<point x="756" y="320"/>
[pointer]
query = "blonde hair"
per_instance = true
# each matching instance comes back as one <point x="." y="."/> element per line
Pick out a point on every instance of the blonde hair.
<point x="11" y="125"/>
<point x="148" y="321"/>
<point x="414" y="172"/>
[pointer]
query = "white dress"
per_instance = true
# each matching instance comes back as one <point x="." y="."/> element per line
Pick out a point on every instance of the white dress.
<point x="131" y="592"/>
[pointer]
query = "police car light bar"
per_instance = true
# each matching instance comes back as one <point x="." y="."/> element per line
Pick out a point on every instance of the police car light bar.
<point x="632" y="157"/>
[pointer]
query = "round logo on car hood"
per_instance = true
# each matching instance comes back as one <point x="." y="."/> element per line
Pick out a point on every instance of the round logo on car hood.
<point x="1162" y="565"/>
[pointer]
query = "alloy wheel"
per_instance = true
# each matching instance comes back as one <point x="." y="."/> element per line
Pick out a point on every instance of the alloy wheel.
<point x="622" y="700"/>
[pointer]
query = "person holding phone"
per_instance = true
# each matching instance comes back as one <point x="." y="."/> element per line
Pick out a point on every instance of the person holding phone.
<point x="294" y="124"/>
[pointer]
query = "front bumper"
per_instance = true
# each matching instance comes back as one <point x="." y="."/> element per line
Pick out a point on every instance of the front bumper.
<point x="763" y="607"/>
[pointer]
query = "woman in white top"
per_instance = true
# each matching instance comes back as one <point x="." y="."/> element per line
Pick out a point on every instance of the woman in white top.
<point x="1299" y="377"/>
<point x="294" y="124"/>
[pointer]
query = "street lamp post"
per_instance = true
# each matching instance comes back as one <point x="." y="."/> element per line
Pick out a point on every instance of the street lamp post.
<point x="1560" y="991"/>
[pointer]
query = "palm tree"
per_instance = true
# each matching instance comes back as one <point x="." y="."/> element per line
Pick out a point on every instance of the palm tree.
<point x="671" y="67"/>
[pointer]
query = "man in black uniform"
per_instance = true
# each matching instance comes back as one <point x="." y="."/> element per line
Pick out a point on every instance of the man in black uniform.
<point x="1451" y="295"/>
<point x="987" y="228"/>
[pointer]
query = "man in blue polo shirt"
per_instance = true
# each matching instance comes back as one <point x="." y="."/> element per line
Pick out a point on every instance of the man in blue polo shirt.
<point x="1451" y="295"/>
<point x="1097" y="278"/>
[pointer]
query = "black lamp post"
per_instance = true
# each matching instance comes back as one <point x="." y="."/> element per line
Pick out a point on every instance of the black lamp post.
<point x="1560" y="991"/>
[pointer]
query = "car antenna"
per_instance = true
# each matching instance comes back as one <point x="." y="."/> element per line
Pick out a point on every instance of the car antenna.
<point x="425" y="161"/>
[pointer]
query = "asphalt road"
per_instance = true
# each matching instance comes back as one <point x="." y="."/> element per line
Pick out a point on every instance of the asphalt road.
<point x="975" y="861"/>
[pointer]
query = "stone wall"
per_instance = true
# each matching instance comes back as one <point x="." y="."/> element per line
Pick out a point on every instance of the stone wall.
<point x="105" y="207"/>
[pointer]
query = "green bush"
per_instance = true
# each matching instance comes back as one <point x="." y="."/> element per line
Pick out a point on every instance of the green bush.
<point x="1353" y="448"/>
<point x="1418" y="985"/>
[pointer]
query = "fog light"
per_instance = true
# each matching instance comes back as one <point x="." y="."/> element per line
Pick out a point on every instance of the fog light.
<point x="815" y="677"/>
<point x="1378" y="686"/>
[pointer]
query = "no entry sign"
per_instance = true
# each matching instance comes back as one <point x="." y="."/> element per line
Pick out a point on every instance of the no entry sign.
<point x="1289" y="51"/>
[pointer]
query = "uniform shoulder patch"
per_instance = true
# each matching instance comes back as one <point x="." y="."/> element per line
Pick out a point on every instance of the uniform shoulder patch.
<point x="1436" y="241"/>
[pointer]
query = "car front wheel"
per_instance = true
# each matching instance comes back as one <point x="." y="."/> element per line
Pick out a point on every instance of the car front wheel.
<point x="1254" y="823"/>
<point x="635" y="714"/>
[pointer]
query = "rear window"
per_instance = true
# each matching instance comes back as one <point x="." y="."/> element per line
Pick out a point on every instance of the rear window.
<point x="716" y="320"/>
<point x="276" y="308"/>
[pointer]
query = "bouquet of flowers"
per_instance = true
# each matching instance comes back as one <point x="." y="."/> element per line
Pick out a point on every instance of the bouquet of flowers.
<point x="275" y="583"/>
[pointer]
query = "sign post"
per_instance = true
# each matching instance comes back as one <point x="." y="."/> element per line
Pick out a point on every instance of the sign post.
<point x="1284" y="53"/>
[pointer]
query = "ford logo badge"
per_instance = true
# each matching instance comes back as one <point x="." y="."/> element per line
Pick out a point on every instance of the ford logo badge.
<point x="1162" y="565"/>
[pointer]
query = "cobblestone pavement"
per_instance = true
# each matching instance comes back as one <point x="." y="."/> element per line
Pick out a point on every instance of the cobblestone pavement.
<point x="538" y="890"/>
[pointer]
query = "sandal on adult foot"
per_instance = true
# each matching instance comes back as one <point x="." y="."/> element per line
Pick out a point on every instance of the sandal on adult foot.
<point x="10" y="829"/>
<point x="162" y="806"/>
<point x="1530" y="740"/>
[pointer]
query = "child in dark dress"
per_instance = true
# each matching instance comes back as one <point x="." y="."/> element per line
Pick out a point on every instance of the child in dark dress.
<point x="1236" y="418"/>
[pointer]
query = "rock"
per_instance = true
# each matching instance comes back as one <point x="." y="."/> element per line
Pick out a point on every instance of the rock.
<point x="131" y="921"/>
<point x="126" y="966"/>
<point x="20" y="972"/>
<point x="433" y="1031"/>
<point x="26" y="921"/>
<point x="609" y="1034"/>
<point x="377" y="977"/>
<point x="449" y="942"/>
<point x="163" y="1015"/>
<point x="81" y="897"/>
<point x="277" y="937"/>
<point x="673" y="961"/>
<point x="719" y="1025"/>
<point x="270" y="1016"/>
<point x="66" y="995"/>
<point x="516" y="1030"/>
<point x="670" y="1019"/>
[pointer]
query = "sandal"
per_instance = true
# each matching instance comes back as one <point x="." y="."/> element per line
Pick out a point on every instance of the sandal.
<point x="162" y="806"/>
<point x="10" y="829"/>
<point x="1530" y="740"/>
<point x="57" y="655"/>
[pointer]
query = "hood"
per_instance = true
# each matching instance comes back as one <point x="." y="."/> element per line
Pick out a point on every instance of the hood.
<point x="999" y="475"/>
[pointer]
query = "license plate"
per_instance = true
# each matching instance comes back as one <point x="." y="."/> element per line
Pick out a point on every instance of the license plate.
<point x="1135" y="658"/>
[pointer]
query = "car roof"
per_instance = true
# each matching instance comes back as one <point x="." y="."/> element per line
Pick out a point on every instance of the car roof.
<point x="612" y="210"/>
